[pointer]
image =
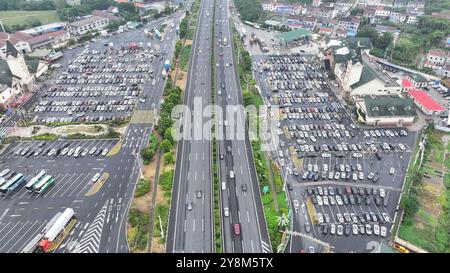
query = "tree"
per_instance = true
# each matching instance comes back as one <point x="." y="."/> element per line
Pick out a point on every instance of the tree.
<point x="169" y="158"/>
<point x="282" y="221"/>
<point x="126" y="7"/>
<point x="166" y="146"/>
<point x="168" y="135"/>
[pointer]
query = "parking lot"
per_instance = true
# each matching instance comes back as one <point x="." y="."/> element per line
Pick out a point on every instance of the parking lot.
<point x="58" y="149"/>
<point x="320" y="146"/>
<point x="104" y="81"/>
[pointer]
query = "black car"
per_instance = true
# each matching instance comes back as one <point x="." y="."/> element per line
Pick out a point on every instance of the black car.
<point x="377" y="201"/>
<point x="325" y="229"/>
<point x="307" y="227"/>
<point x="345" y="199"/>
<point x="368" y="201"/>
<point x="244" y="187"/>
<point x="309" y="191"/>
<point x="289" y="186"/>
<point x="385" y="202"/>
<point x="358" y="200"/>
<point x="347" y="230"/>
<point x="98" y="152"/>
<point x="339" y="190"/>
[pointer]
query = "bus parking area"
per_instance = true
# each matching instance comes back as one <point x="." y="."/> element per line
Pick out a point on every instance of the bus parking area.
<point x="348" y="175"/>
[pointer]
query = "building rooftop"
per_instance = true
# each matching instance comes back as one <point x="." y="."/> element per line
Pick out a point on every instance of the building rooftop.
<point x="418" y="78"/>
<point x="437" y="52"/>
<point x="294" y="34"/>
<point x="367" y="75"/>
<point x="389" y="107"/>
<point x="86" y="21"/>
<point x="406" y="83"/>
<point x="425" y="100"/>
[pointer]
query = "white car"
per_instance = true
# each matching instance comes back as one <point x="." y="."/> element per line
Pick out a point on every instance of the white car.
<point x="96" y="177"/>
<point x="339" y="200"/>
<point x="4" y="172"/>
<point x="333" y="229"/>
<point x="226" y="212"/>
<point x="340" y="218"/>
<point x="368" y="229"/>
<point x="355" y="229"/>
<point x="382" y="193"/>
<point x="402" y="147"/>
<point x="391" y="171"/>
<point x="319" y="200"/>
<point x="340" y="230"/>
<point x="386" y="217"/>
<point x="105" y="152"/>
<point x="320" y="218"/>
<point x="325" y="201"/>
<point x="376" y="229"/>
<point x="383" y="231"/>
<point x="296" y="204"/>
<point x="224" y="186"/>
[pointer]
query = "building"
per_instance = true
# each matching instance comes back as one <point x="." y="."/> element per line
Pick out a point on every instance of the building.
<point x="85" y="25"/>
<point x="73" y="2"/>
<point x="385" y="111"/>
<point x="444" y="84"/>
<point x="435" y="58"/>
<point x="54" y="39"/>
<point x="412" y="18"/>
<point x="350" y="23"/>
<point x="426" y="103"/>
<point x="398" y="17"/>
<point x="105" y="14"/>
<point x="400" y="3"/>
<point x="17" y="75"/>
<point x="385" y="29"/>
<point x="417" y="80"/>
<point x="18" y="40"/>
<point x="294" y="36"/>
<point x="316" y="3"/>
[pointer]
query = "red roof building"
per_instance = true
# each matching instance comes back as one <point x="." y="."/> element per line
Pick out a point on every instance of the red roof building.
<point x="426" y="103"/>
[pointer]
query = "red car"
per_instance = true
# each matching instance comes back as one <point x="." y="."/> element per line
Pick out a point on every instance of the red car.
<point x="237" y="229"/>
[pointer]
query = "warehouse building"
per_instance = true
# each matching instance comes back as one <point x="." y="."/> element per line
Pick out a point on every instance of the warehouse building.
<point x="85" y="25"/>
<point x="385" y="111"/>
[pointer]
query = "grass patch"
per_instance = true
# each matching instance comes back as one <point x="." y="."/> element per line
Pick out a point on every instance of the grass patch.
<point x="46" y="137"/>
<point x="162" y="209"/>
<point x="24" y="17"/>
<point x="184" y="57"/>
<point x="138" y="234"/>
<point x="142" y="187"/>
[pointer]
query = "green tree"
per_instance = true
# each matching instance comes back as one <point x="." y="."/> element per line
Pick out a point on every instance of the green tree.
<point x="166" y="146"/>
<point x="168" y="135"/>
<point x="169" y="158"/>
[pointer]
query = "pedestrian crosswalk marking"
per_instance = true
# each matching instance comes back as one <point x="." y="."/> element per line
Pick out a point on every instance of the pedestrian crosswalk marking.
<point x="91" y="239"/>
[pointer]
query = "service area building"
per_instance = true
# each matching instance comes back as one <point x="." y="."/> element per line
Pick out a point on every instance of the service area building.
<point x="385" y="111"/>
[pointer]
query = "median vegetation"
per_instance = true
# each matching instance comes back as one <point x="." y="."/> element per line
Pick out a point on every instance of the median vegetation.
<point x="426" y="201"/>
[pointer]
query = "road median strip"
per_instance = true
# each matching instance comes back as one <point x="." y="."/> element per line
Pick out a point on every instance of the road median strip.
<point x="97" y="185"/>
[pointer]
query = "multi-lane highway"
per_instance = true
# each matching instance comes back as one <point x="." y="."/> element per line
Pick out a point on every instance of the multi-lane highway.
<point x="190" y="220"/>
<point x="242" y="196"/>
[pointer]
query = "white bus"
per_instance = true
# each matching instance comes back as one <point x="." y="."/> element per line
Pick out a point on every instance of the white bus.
<point x="12" y="184"/>
<point x="35" y="180"/>
<point x="44" y="184"/>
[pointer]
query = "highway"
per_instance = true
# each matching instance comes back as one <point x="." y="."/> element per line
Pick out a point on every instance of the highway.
<point x="191" y="230"/>
<point x="244" y="204"/>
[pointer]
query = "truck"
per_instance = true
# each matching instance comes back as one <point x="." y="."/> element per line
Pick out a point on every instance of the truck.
<point x="33" y="245"/>
<point x="157" y="34"/>
<point x="244" y="32"/>
<point x="58" y="230"/>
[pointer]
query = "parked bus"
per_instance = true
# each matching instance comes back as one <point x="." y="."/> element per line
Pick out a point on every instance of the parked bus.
<point x="2" y="181"/>
<point x="12" y="184"/>
<point x="44" y="184"/>
<point x="35" y="180"/>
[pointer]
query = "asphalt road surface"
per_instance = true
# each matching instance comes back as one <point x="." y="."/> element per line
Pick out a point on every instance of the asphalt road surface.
<point x="244" y="205"/>
<point x="191" y="230"/>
